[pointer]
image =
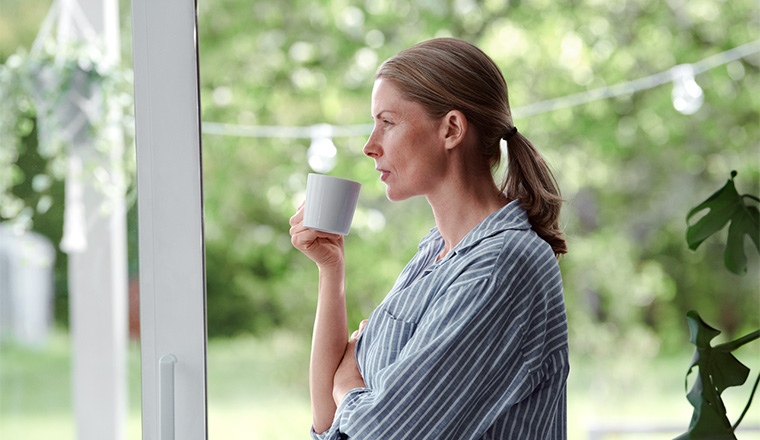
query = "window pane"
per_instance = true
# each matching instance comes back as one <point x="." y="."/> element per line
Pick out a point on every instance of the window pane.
<point x="66" y="261"/>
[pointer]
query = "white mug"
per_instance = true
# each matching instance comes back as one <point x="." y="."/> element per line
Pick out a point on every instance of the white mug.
<point x="330" y="203"/>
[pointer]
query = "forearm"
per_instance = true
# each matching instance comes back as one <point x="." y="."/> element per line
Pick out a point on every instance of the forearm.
<point x="347" y="377"/>
<point x="329" y="342"/>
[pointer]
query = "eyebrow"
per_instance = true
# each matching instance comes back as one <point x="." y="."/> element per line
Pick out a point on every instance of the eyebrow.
<point x="380" y="113"/>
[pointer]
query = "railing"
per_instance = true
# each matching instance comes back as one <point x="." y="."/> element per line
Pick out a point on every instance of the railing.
<point x="603" y="432"/>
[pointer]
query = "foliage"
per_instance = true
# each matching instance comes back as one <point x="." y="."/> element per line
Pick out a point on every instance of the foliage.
<point x="718" y="370"/>
<point x="725" y="206"/>
<point x="42" y="95"/>
<point x="258" y="388"/>
<point x="625" y="164"/>
<point x="36" y="89"/>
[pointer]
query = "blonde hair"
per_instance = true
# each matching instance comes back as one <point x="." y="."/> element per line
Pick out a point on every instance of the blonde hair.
<point x="447" y="74"/>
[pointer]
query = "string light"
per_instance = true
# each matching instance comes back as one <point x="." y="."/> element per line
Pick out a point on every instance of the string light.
<point x="322" y="152"/>
<point x="687" y="95"/>
<point x="630" y="87"/>
<point x="281" y="131"/>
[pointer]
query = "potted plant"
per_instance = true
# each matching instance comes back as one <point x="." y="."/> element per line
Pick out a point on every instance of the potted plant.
<point x="63" y="92"/>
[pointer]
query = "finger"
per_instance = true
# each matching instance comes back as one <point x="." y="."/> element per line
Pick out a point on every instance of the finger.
<point x="306" y="239"/>
<point x="298" y="216"/>
<point x="327" y="235"/>
<point x="302" y="238"/>
<point x="314" y="234"/>
<point x="350" y="349"/>
<point x="297" y="228"/>
<point x="355" y="335"/>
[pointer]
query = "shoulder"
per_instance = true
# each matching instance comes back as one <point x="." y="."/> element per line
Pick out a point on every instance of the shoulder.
<point x="524" y="250"/>
<point x="513" y="270"/>
<point x="505" y="240"/>
<point x="510" y="252"/>
<point x="523" y="277"/>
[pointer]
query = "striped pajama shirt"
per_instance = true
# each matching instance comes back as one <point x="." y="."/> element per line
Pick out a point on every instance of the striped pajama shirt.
<point x="473" y="346"/>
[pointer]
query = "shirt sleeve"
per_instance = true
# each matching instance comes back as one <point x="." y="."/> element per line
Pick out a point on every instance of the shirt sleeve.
<point x="479" y="349"/>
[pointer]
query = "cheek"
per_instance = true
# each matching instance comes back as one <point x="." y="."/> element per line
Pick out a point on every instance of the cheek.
<point x="414" y="151"/>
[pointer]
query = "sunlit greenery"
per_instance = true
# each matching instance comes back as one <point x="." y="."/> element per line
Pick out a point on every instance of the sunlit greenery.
<point x="630" y="167"/>
<point x="257" y="390"/>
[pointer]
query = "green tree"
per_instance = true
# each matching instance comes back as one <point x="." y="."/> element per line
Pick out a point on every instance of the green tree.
<point x="628" y="166"/>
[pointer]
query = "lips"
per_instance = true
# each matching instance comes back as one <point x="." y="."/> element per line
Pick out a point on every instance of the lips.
<point x="383" y="174"/>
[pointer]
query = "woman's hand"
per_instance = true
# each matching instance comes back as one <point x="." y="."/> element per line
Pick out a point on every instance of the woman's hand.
<point x="323" y="248"/>
<point x="347" y="377"/>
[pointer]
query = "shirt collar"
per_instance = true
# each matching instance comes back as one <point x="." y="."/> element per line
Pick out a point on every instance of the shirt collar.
<point x="510" y="217"/>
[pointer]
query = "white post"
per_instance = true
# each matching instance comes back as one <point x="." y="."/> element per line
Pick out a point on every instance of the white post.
<point x="170" y="202"/>
<point x="98" y="272"/>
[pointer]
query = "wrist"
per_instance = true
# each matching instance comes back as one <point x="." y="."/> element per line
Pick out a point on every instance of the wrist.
<point x="332" y="281"/>
<point x="336" y="262"/>
<point x="336" y="268"/>
<point x="333" y="273"/>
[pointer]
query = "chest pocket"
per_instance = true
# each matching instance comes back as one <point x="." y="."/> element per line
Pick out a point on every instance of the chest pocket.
<point x="381" y="343"/>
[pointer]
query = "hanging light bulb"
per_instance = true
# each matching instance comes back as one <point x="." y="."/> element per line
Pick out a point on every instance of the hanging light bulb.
<point x="687" y="95"/>
<point x="322" y="152"/>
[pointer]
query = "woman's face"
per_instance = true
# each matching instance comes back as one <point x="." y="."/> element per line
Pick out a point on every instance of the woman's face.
<point x="406" y="144"/>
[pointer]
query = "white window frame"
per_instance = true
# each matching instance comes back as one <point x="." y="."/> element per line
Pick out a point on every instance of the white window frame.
<point x="170" y="220"/>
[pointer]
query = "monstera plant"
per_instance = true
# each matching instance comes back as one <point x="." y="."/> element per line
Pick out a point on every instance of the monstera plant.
<point x="717" y="367"/>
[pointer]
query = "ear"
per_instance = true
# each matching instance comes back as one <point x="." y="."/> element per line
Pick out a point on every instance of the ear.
<point x="453" y="128"/>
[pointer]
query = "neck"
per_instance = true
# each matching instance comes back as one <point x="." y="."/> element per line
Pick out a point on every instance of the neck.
<point x="461" y="205"/>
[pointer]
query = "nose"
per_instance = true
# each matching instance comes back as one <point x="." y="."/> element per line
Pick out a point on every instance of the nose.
<point x="372" y="148"/>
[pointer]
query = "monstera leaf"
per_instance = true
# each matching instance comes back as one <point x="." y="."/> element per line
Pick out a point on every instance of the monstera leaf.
<point x="718" y="370"/>
<point x="726" y="205"/>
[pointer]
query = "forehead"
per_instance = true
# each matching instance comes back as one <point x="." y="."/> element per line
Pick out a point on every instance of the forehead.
<point x="386" y="97"/>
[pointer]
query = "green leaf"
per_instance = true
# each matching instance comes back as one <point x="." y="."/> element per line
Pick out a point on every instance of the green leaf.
<point x="701" y="332"/>
<point x="721" y="205"/>
<point x="718" y="370"/>
<point x="709" y="425"/>
<point x="746" y="221"/>
<point x="726" y="205"/>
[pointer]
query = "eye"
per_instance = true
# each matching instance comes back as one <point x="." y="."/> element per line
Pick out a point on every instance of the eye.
<point x="387" y="123"/>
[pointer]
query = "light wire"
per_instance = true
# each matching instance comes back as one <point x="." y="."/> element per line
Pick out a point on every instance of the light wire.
<point x="626" y="88"/>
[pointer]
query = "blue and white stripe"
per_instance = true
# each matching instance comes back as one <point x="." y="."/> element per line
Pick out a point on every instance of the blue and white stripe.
<point x="473" y="346"/>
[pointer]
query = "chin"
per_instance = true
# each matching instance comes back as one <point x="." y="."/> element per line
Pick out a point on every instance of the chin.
<point x="394" y="196"/>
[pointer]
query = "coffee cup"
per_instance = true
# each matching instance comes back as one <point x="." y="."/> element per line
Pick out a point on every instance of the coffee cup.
<point x="330" y="203"/>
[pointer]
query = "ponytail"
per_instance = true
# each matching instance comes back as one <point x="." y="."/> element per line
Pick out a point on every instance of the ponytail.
<point x="530" y="180"/>
<point x="445" y="74"/>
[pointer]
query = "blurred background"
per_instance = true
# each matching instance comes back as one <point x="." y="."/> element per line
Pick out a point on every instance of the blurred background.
<point x="285" y="90"/>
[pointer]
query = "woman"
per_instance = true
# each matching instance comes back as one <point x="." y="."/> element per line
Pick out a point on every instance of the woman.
<point x="471" y="342"/>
